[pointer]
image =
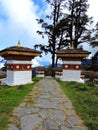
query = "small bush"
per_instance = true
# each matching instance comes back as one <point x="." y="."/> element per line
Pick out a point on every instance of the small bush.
<point x="58" y="79"/>
<point x="96" y="93"/>
<point x="90" y="84"/>
<point x="21" y="87"/>
<point x="83" y="88"/>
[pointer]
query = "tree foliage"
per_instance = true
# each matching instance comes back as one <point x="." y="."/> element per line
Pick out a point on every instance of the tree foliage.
<point x="94" y="36"/>
<point x="95" y="58"/>
<point x="67" y="24"/>
<point x="49" y="28"/>
<point x="76" y="23"/>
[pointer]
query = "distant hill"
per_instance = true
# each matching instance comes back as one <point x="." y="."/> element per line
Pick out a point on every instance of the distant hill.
<point x="50" y="65"/>
<point x="86" y="62"/>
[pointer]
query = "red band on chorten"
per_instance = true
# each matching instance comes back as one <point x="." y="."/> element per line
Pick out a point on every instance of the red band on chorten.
<point x="19" y="67"/>
<point x="71" y="66"/>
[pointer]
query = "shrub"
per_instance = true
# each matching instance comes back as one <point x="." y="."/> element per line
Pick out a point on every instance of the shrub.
<point x="21" y="87"/>
<point x="90" y="84"/>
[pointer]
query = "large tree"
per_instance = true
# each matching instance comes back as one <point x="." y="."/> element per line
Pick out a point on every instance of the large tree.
<point x="49" y="28"/>
<point x="67" y="24"/>
<point x="76" y="24"/>
<point x="94" y="36"/>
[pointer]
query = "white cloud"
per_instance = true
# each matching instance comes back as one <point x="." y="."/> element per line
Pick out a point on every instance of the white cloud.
<point x="93" y="9"/>
<point x="18" y="22"/>
<point x="44" y="60"/>
<point x="35" y="63"/>
<point x="1" y="65"/>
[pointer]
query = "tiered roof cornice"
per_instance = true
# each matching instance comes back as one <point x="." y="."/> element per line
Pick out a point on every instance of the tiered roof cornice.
<point x="18" y="50"/>
<point x="72" y="53"/>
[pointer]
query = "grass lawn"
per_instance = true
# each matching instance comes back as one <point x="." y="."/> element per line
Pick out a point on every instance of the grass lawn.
<point x="11" y="97"/>
<point x="85" y="100"/>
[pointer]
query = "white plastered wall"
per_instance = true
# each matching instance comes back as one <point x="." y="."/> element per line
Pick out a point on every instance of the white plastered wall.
<point x="72" y="62"/>
<point x="18" y="77"/>
<point x="18" y="62"/>
<point x="40" y="74"/>
<point x="58" y="74"/>
<point x="72" y="75"/>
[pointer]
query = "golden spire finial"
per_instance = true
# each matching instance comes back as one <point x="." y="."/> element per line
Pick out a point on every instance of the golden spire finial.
<point x="19" y="44"/>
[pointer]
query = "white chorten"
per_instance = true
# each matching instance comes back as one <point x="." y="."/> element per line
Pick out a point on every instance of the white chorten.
<point x="19" y="70"/>
<point x="72" y="63"/>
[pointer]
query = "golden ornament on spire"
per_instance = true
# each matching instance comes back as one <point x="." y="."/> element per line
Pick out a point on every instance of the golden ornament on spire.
<point x="19" y="44"/>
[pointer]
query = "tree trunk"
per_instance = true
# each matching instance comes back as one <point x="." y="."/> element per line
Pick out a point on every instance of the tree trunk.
<point x="53" y="60"/>
<point x="53" y="64"/>
<point x="56" y="61"/>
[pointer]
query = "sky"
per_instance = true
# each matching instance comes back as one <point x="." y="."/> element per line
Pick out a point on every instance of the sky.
<point x="18" y="22"/>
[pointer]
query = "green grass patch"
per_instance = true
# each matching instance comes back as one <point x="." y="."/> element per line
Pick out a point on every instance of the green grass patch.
<point x="36" y="79"/>
<point x="10" y="97"/>
<point x="85" y="100"/>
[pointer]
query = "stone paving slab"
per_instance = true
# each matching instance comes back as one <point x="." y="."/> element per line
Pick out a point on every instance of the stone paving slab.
<point x="46" y="107"/>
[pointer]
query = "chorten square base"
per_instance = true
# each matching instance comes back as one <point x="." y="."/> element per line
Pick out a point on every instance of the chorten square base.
<point x="72" y="71"/>
<point x="18" y="72"/>
<point x="72" y="75"/>
<point x="18" y="77"/>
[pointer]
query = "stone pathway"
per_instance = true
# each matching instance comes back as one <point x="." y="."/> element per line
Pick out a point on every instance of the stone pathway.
<point x="46" y="108"/>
